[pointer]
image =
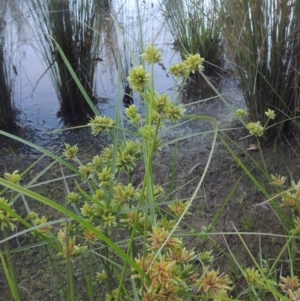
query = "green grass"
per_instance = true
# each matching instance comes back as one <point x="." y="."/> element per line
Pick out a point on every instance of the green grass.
<point x="114" y="238"/>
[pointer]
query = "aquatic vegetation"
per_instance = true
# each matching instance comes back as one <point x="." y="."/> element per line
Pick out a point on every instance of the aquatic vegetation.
<point x="75" y="26"/>
<point x="7" y="110"/>
<point x="123" y="238"/>
<point x="194" y="27"/>
<point x="262" y="39"/>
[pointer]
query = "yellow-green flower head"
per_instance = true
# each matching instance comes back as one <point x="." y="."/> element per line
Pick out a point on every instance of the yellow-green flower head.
<point x="107" y="153"/>
<point x="270" y="114"/>
<point x="109" y="219"/>
<point x="70" y="152"/>
<point x="206" y="257"/>
<point x="240" y="113"/>
<point x="101" y="123"/>
<point x="179" y="70"/>
<point x="175" y="113"/>
<point x="213" y="285"/>
<point x="252" y="276"/>
<point x="296" y="229"/>
<point x="194" y="63"/>
<point x="152" y="55"/>
<point x="6" y="219"/>
<point x="88" y="211"/>
<point x="101" y="277"/>
<point x="255" y="128"/>
<point x="85" y="169"/>
<point x="147" y="131"/>
<point x="162" y="102"/>
<point x="133" y="114"/>
<point x="112" y="296"/>
<point x="277" y="180"/>
<point x="73" y="198"/>
<point x="14" y="177"/>
<point x="125" y="162"/>
<point x="105" y="176"/>
<point x="138" y="78"/>
<point x="69" y="248"/>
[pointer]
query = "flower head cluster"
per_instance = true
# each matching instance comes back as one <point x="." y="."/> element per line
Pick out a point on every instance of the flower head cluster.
<point x="101" y="277"/>
<point x="7" y="221"/>
<point x="138" y="79"/>
<point x="105" y="177"/>
<point x="179" y="208"/>
<point x="73" y="198"/>
<point x="70" y="152"/>
<point x="101" y="124"/>
<point x="255" y="128"/>
<point x="113" y="296"/>
<point x="194" y="63"/>
<point x="240" y="113"/>
<point x="133" y="114"/>
<point x="253" y="277"/>
<point x="68" y="246"/>
<point x="131" y="218"/>
<point x="277" y="180"/>
<point x="128" y="155"/>
<point x="291" y="200"/>
<point x="151" y="55"/>
<point x="179" y="70"/>
<point x="125" y="194"/>
<point x="43" y="224"/>
<point x="14" y="177"/>
<point x="169" y="275"/>
<point x="159" y="237"/>
<point x="289" y="284"/>
<point x="206" y="257"/>
<point x="213" y="285"/>
<point x="90" y="236"/>
<point x="270" y="114"/>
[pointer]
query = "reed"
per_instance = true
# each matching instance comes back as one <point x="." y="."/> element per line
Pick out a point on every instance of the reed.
<point x="193" y="26"/>
<point x="7" y="121"/>
<point x="263" y="41"/>
<point x="75" y="25"/>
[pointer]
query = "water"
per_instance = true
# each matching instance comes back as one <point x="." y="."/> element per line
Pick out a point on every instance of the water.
<point x="36" y="99"/>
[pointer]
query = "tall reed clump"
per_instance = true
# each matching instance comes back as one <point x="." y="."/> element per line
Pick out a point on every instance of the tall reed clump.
<point x="263" y="41"/>
<point x="7" y="122"/>
<point x="193" y="25"/>
<point x="75" y="25"/>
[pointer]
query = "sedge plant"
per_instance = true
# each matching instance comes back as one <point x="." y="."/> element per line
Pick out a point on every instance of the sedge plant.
<point x="193" y="25"/>
<point x="7" y="110"/>
<point x="152" y="262"/>
<point x="75" y="26"/>
<point x="262" y="41"/>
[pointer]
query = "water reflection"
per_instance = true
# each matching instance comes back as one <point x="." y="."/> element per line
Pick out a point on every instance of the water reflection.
<point x="34" y="91"/>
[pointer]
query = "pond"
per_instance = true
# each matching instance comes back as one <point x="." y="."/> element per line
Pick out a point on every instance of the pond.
<point x="35" y="96"/>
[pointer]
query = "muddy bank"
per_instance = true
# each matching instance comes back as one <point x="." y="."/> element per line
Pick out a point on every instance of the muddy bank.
<point x="224" y="182"/>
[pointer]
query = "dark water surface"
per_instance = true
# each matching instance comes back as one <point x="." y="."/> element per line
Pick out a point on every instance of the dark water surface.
<point x="36" y="99"/>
